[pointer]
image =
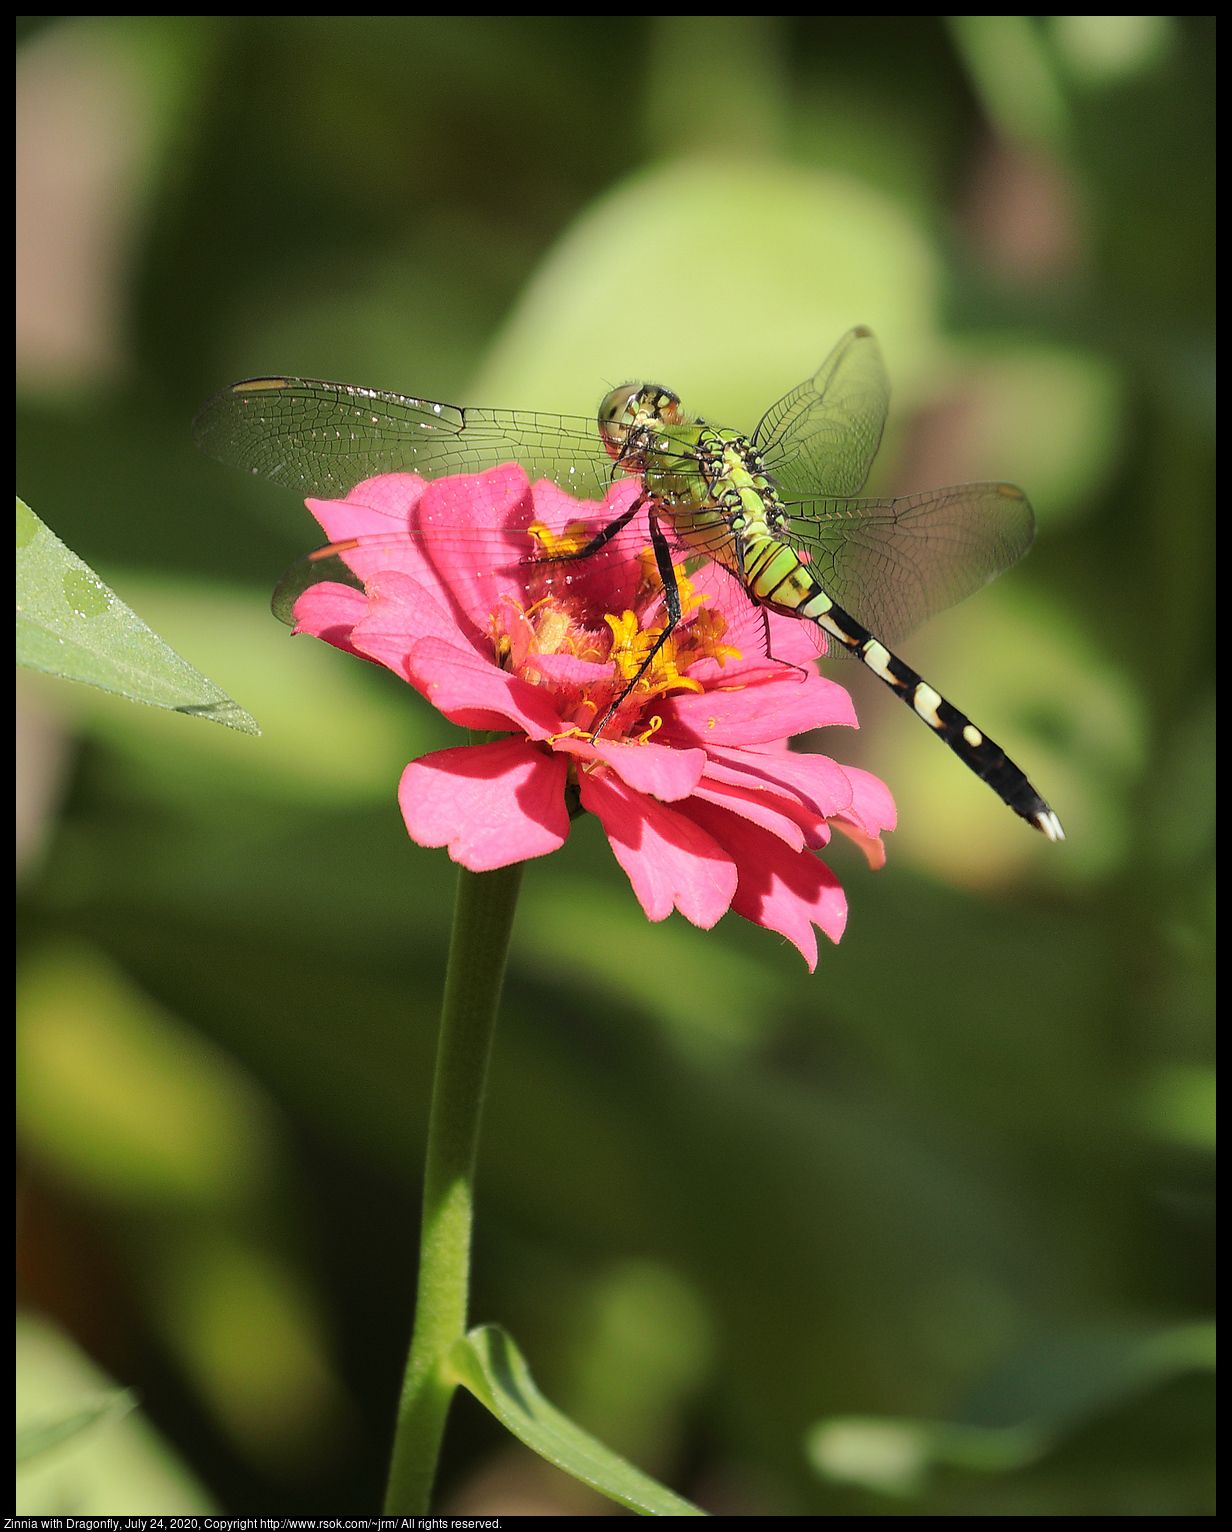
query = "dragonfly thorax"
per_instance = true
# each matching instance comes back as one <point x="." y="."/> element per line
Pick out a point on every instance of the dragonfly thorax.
<point x="733" y="472"/>
<point x="688" y="465"/>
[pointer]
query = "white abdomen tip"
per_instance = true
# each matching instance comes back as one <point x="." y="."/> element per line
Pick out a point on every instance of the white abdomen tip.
<point x="1050" y="825"/>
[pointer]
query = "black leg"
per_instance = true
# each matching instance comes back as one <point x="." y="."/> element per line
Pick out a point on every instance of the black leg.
<point x="671" y="599"/>
<point x="803" y="671"/>
<point x="601" y="539"/>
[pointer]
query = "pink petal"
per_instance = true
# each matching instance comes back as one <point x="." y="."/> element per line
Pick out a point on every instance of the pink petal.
<point x="380" y="512"/>
<point x="383" y="513"/>
<point x="872" y="805"/>
<point x="392" y="495"/>
<point x="556" y="508"/>
<point x="872" y="810"/>
<point x="783" y="890"/>
<point x="400" y="607"/>
<point x="785" y="703"/>
<point x="814" y="780"/>
<point x="717" y="770"/>
<point x="491" y="804"/>
<point x="610" y="578"/>
<point x="461" y="537"/>
<point x="666" y="774"/>
<point x="467" y="689"/>
<point x="778" y="797"/>
<point x="760" y="809"/>
<point x="374" y="508"/>
<point x="669" y="860"/>
<point x="566" y="669"/>
<point x="872" y="846"/>
<point x="485" y="513"/>
<point x="331" y="611"/>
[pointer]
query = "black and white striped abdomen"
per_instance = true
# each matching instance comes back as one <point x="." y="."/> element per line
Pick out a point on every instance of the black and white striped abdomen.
<point x="779" y="580"/>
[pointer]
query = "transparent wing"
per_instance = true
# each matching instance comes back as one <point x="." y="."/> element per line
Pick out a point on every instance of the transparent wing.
<point x="821" y="438"/>
<point x="472" y="553"/>
<point x="449" y="561"/>
<point x="893" y="564"/>
<point x="324" y="438"/>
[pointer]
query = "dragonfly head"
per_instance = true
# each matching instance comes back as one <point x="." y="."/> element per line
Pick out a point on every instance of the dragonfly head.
<point x="633" y="409"/>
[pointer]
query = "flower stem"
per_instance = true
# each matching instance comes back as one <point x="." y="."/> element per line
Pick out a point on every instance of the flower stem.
<point x="483" y="918"/>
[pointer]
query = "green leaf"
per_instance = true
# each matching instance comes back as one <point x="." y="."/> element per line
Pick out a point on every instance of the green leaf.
<point x="1043" y="1392"/>
<point x="489" y="1364"/>
<point x="70" y="624"/>
<point x="42" y="1435"/>
<point x="896" y="1457"/>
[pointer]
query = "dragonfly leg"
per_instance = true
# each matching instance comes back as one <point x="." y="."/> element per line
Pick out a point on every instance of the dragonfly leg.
<point x="602" y="538"/>
<point x="671" y="599"/>
<point x="801" y="670"/>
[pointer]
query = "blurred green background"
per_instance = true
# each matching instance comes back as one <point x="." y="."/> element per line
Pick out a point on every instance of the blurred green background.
<point x="747" y="1224"/>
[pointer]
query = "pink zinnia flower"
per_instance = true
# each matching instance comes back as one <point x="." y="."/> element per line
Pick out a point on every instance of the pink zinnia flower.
<point x="703" y="803"/>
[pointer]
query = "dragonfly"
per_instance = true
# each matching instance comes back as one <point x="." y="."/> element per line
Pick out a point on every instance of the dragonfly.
<point x="780" y="510"/>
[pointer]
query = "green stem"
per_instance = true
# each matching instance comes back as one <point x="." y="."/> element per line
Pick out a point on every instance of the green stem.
<point x="483" y="918"/>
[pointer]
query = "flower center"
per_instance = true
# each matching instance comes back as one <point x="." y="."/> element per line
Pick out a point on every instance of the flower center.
<point x="566" y="637"/>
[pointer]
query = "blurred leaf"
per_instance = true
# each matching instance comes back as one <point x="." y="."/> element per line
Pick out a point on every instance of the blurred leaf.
<point x="1101" y="51"/>
<point x="877" y="1181"/>
<point x="124" y="1101"/>
<point x="70" y="624"/>
<point x="1055" y="1382"/>
<point x="1046" y="417"/>
<point x="39" y="1436"/>
<point x="1013" y="76"/>
<point x="841" y="253"/>
<point x="490" y="1365"/>
<point x="1187" y="795"/>
<point x="125" y="1468"/>
<point x="894" y="1456"/>
<point x="1048" y="1389"/>
<point x="247" y="1332"/>
<point x="1178" y="1105"/>
<point x="716" y="1005"/>
<point x="716" y="83"/>
<point x="641" y="1353"/>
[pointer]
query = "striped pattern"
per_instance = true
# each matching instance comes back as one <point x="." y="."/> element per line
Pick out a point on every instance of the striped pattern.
<point x="736" y="527"/>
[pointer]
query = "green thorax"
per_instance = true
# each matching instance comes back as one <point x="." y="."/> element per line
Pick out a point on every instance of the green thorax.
<point x="710" y="481"/>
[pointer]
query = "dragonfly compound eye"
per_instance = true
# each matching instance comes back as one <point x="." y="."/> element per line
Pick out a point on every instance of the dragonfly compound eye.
<point x="616" y="414"/>
<point x="654" y="402"/>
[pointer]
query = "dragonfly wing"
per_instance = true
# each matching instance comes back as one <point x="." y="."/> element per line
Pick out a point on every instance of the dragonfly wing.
<point x="455" y="563"/>
<point x="324" y="438"/>
<point x="821" y="438"/>
<point x="895" y="563"/>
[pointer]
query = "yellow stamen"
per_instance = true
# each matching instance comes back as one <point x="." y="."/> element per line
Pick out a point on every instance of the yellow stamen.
<point x="569" y="542"/>
<point x="552" y="631"/>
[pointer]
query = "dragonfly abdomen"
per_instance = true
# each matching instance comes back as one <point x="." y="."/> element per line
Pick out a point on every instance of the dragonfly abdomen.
<point x="776" y="577"/>
<point x="971" y="745"/>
